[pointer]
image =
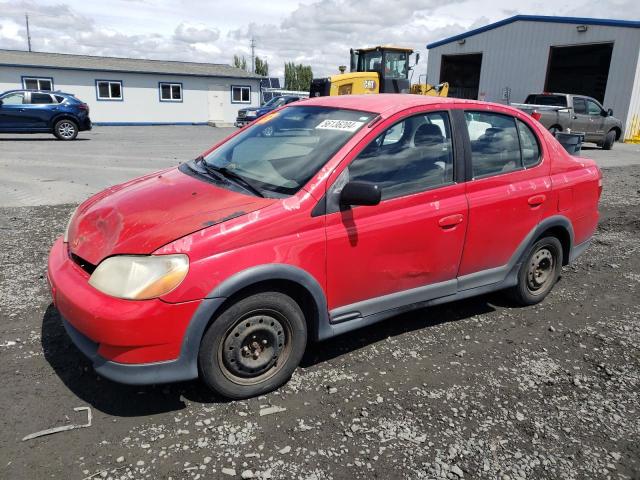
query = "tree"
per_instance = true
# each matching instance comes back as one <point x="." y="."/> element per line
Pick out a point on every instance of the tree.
<point x="297" y="77"/>
<point x="261" y="67"/>
<point x="240" y="62"/>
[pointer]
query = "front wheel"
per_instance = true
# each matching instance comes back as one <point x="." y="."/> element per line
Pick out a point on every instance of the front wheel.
<point x="65" y="129"/>
<point x="253" y="346"/>
<point x="609" y="140"/>
<point x="539" y="272"/>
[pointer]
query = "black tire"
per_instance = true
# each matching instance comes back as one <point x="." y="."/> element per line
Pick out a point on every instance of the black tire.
<point x="65" y="129"/>
<point x="539" y="272"/>
<point x="609" y="140"/>
<point x="555" y="128"/>
<point x="253" y="346"/>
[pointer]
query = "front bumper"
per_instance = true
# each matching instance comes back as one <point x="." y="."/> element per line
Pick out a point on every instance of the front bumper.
<point x="148" y="341"/>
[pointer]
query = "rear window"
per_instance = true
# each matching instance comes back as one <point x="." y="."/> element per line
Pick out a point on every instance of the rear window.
<point x="555" y="100"/>
<point x="495" y="147"/>
<point x="41" y="98"/>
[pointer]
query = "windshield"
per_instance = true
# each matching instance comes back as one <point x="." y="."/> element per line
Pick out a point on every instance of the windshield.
<point x="396" y="65"/>
<point x="280" y="152"/>
<point x="275" y="102"/>
<point x="553" y="100"/>
<point x="370" y="61"/>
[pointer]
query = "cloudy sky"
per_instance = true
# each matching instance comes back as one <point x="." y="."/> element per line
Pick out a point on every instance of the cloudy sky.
<point x="314" y="32"/>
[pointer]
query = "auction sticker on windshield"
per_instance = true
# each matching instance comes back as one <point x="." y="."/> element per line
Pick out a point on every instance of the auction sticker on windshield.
<point x="343" y="125"/>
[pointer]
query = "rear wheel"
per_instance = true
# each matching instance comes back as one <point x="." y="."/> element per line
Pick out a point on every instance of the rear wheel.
<point x="555" y="128"/>
<point x="65" y="129"/>
<point x="609" y="140"/>
<point x="539" y="272"/>
<point x="254" y="346"/>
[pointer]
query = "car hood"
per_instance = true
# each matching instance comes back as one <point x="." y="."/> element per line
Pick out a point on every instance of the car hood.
<point x="142" y="215"/>
<point x="258" y="109"/>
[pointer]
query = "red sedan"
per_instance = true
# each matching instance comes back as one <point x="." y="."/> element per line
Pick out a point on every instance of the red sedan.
<point x="322" y="217"/>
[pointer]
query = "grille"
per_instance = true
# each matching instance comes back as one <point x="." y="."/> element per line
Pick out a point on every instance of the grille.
<point x="82" y="263"/>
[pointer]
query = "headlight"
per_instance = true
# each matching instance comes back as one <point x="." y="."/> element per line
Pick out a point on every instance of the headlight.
<point x="65" y="237"/>
<point x="139" y="277"/>
<point x="252" y="114"/>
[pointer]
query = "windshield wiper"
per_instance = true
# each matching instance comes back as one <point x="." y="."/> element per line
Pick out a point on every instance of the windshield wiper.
<point x="233" y="176"/>
<point x="230" y="174"/>
<point x="223" y="173"/>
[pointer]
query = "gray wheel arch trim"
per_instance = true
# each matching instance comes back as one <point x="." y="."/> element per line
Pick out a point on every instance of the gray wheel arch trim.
<point x="507" y="274"/>
<point x="277" y="271"/>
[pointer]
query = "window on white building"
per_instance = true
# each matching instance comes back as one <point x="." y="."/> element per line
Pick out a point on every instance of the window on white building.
<point x="240" y="94"/>
<point x="109" y="89"/>
<point x="36" y="83"/>
<point x="170" y="92"/>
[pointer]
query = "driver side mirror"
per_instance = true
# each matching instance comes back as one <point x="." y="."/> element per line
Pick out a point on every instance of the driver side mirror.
<point x="0" y="103"/>
<point x="609" y="112"/>
<point x="360" y="193"/>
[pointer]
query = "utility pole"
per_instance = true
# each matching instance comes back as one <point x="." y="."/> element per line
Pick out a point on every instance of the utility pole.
<point x="253" y="55"/>
<point x="26" y="16"/>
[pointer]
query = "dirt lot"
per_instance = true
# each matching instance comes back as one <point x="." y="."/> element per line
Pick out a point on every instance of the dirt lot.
<point x="474" y="389"/>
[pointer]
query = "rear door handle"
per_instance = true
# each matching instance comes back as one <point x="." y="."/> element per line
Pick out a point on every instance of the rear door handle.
<point x="451" y="221"/>
<point x="536" y="200"/>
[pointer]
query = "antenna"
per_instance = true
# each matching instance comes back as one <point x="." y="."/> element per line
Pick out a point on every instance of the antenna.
<point x="253" y="55"/>
<point x="26" y="16"/>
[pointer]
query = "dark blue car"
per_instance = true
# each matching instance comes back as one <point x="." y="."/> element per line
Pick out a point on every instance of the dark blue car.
<point x="248" y="115"/>
<point x="35" y="111"/>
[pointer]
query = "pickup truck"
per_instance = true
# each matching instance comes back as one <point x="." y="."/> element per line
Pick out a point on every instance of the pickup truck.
<point x="564" y="112"/>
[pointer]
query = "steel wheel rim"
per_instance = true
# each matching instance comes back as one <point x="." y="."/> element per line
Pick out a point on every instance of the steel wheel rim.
<point x="256" y="347"/>
<point x="66" y="130"/>
<point x="541" y="269"/>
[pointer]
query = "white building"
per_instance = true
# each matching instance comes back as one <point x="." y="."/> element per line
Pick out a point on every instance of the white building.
<point x="125" y="91"/>
<point x="527" y="54"/>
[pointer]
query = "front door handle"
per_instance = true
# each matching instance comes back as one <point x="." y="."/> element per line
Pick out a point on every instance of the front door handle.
<point x="451" y="221"/>
<point x="537" y="200"/>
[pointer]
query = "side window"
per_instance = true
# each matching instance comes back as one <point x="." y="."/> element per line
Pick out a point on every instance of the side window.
<point x="529" y="145"/>
<point x="593" y="108"/>
<point x="415" y="154"/>
<point x="13" y="99"/>
<point x="495" y="148"/>
<point x="41" y="98"/>
<point x="579" y="106"/>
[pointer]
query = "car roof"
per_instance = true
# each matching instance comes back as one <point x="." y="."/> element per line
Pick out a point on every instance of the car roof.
<point x="388" y="103"/>
<point x="17" y="90"/>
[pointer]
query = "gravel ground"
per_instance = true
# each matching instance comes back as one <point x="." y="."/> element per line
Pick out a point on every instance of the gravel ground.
<point x="474" y="389"/>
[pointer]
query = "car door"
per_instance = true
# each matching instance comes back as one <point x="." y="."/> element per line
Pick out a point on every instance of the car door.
<point x="43" y="107"/>
<point x="40" y="110"/>
<point x="595" y="111"/>
<point x="508" y="191"/>
<point x="581" y="122"/>
<point x="12" y="114"/>
<point x="408" y="247"/>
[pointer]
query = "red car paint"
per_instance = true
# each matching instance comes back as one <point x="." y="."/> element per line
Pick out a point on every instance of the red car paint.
<point x="354" y="256"/>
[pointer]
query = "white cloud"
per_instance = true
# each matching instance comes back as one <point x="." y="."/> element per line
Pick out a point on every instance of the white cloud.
<point x="196" y="33"/>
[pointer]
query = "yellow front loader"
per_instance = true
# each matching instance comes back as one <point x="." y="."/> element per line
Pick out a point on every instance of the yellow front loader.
<point x="382" y="69"/>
